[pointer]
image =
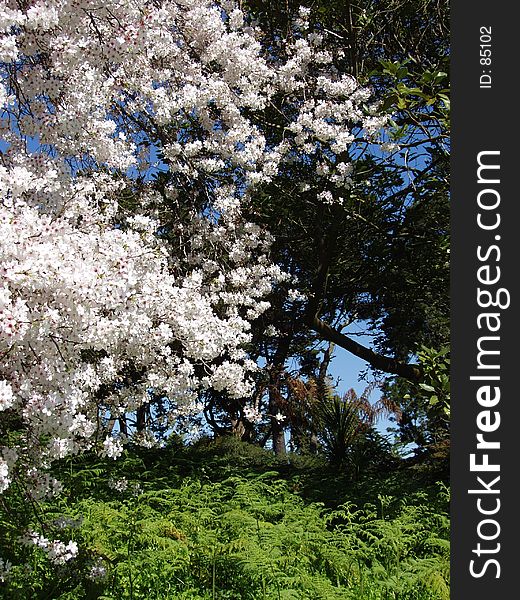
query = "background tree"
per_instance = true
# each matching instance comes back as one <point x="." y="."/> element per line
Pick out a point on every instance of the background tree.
<point x="380" y="257"/>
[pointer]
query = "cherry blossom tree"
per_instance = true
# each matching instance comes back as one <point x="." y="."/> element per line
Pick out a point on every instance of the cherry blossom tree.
<point x="133" y="134"/>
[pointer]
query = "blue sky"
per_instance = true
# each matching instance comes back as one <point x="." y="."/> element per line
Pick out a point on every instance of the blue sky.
<point x="346" y="367"/>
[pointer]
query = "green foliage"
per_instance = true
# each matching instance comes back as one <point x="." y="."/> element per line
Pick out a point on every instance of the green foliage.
<point x="345" y="430"/>
<point x="425" y="405"/>
<point x="230" y="521"/>
<point x="341" y="423"/>
<point x="436" y="385"/>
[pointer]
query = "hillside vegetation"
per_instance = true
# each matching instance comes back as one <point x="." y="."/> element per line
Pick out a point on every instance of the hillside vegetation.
<point x="227" y="520"/>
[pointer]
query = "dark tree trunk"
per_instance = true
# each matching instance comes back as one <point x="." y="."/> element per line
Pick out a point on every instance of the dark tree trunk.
<point x="141" y="418"/>
<point x="277" y="427"/>
<point x="276" y="402"/>
<point x="123" y="428"/>
<point x="241" y="429"/>
<point x="278" y="438"/>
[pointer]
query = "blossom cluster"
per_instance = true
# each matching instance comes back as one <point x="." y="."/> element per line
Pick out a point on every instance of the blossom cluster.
<point x="111" y="79"/>
<point x="57" y="551"/>
<point x="83" y="303"/>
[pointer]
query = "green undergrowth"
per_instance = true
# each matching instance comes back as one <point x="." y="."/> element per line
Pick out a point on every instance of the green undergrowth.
<point x="231" y="521"/>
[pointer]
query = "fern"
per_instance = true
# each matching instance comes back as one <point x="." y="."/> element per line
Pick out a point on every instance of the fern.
<point x="226" y="532"/>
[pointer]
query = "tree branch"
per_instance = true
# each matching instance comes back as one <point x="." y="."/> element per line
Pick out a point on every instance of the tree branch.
<point x="413" y="372"/>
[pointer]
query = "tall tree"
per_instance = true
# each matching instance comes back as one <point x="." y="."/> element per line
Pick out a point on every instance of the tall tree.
<point x="378" y="252"/>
